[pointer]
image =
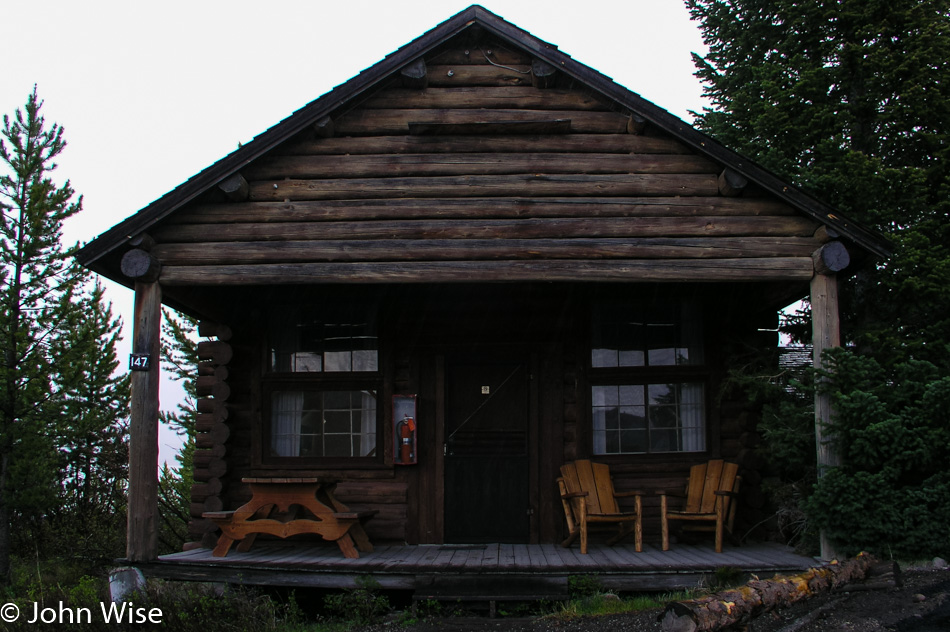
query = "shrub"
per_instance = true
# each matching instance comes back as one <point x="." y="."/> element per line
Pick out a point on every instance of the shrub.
<point x="891" y="493"/>
<point x="361" y="605"/>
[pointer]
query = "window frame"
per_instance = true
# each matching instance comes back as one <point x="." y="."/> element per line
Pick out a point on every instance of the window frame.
<point x="273" y="381"/>
<point x="647" y="375"/>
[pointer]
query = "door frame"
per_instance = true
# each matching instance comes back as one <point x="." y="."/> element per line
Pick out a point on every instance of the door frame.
<point x="529" y="356"/>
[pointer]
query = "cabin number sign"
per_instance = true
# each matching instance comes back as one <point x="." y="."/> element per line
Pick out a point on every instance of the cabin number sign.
<point x="140" y="362"/>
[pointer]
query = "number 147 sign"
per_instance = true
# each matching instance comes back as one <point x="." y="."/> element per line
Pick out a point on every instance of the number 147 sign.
<point x="139" y="362"/>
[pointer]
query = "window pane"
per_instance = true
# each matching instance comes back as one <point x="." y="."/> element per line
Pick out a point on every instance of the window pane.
<point x="671" y="418"/>
<point x="339" y="339"/>
<point x="658" y="333"/>
<point x="631" y="395"/>
<point x="633" y="441"/>
<point x="327" y="423"/>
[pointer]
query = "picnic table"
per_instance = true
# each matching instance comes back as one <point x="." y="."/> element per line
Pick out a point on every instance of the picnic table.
<point x="290" y="506"/>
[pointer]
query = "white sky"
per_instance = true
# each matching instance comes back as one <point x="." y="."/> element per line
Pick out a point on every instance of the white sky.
<point x="151" y="93"/>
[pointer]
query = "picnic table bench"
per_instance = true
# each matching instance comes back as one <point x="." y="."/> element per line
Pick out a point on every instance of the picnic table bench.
<point x="290" y="506"/>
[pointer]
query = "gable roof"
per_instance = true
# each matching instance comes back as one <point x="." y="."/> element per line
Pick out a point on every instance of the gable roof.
<point x="93" y="254"/>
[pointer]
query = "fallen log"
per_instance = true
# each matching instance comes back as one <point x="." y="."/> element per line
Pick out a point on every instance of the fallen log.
<point x="739" y="605"/>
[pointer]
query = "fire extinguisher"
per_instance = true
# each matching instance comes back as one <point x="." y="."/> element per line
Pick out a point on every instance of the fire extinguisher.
<point x="406" y="430"/>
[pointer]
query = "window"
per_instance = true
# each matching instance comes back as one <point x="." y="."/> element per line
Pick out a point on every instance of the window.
<point x="647" y="393"/>
<point x="322" y="383"/>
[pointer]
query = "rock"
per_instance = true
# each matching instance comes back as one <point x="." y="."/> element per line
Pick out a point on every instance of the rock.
<point x="919" y="598"/>
<point x="939" y="562"/>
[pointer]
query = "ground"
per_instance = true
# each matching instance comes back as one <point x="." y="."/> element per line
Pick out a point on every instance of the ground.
<point x="922" y="604"/>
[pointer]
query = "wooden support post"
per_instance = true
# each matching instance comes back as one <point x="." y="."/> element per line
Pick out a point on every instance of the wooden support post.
<point x="826" y="334"/>
<point x="142" y="533"/>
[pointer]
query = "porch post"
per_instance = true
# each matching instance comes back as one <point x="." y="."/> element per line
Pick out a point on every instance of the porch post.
<point x="825" y="334"/>
<point x="142" y="527"/>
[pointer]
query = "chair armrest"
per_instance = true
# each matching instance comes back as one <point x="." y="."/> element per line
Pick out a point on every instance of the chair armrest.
<point x="575" y="495"/>
<point x="632" y="492"/>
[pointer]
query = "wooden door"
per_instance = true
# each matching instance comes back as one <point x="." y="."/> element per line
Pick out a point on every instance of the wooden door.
<point x="486" y="484"/>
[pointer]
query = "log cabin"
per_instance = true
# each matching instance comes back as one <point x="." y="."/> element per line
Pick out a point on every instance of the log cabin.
<point x="482" y="236"/>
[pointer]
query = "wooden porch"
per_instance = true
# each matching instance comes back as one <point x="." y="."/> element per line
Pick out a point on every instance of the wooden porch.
<point x="475" y="571"/>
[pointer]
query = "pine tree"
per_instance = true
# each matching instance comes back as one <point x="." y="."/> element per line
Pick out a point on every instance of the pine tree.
<point x="92" y="443"/>
<point x="851" y="100"/>
<point x="37" y="282"/>
<point x="180" y="358"/>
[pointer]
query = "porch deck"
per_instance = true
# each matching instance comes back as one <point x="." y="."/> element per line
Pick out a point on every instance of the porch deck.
<point x="495" y="571"/>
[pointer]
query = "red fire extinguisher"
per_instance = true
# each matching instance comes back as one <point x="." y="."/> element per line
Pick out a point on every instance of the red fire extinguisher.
<point x="406" y="431"/>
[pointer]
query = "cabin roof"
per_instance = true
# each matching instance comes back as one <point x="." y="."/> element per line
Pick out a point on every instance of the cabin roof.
<point x="95" y="254"/>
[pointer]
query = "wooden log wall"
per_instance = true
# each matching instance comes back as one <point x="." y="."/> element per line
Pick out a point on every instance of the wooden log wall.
<point x="213" y="430"/>
<point x="362" y="199"/>
<point x="732" y="423"/>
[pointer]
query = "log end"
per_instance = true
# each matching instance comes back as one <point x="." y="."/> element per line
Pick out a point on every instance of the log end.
<point x="677" y="618"/>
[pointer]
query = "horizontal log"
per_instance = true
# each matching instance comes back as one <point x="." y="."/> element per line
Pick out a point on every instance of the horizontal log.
<point x="478" y="208"/>
<point x="478" y="250"/>
<point x="204" y="441"/>
<point x="142" y="241"/>
<point x="484" y="97"/>
<point x="570" y="143"/>
<point x="481" y="55"/>
<point x="672" y="270"/>
<point x="213" y="407"/>
<point x="200" y="526"/>
<point x="489" y="128"/>
<point x="219" y="372"/>
<point x="402" y="165"/>
<point x="215" y="468"/>
<point x="208" y="329"/>
<point x="323" y="128"/>
<point x="554" y="228"/>
<point x="477" y="75"/>
<point x="413" y="75"/>
<point x="215" y="351"/>
<point x="140" y="265"/>
<point x="234" y="187"/>
<point x="208" y="385"/>
<point x="543" y="74"/>
<point x="206" y="420"/>
<point x="200" y="491"/>
<point x="831" y="258"/>
<point x="735" y="606"/>
<point x="491" y="186"/>
<point x="396" y="121"/>
<point x="215" y="431"/>
<point x="824" y="234"/>
<point x="732" y="183"/>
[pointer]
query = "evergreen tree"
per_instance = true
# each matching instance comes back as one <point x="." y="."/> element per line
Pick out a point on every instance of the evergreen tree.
<point x="38" y="280"/>
<point x="180" y="358"/>
<point x="851" y="100"/>
<point x="92" y="441"/>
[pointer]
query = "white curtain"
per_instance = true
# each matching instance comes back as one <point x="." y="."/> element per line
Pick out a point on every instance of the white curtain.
<point x="692" y="417"/>
<point x="368" y="425"/>
<point x="598" y="405"/>
<point x="286" y="415"/>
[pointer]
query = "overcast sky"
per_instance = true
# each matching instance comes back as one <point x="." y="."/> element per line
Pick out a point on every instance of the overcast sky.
<point x="151" y="93"/>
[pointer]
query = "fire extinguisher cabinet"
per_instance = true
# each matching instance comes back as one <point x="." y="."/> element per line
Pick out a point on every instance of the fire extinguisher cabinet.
<point x="404" y="430"/>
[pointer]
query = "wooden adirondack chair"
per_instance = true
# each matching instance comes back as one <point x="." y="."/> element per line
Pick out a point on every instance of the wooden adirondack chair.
<point x="589" y="499"/>
<point x="709" y="493"/>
